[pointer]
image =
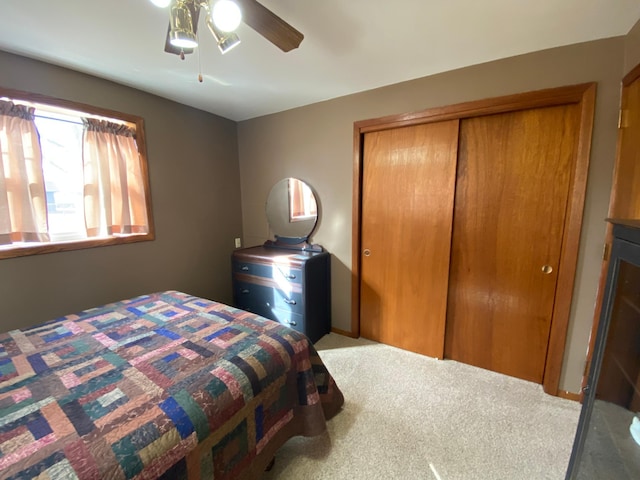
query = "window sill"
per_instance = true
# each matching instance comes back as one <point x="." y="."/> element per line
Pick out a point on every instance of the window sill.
<point x="23" y="250"/>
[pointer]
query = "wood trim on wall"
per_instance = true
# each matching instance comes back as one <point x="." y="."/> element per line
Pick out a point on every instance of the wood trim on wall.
<point x="597" y="309"/>
<point x="344" y="333"/>
<point x="582" y="94"/>
<point x="632" y="76"/>
<point x="570" y="396"/>
<point x="358" y="137"/>
<point x="508" y="103"/>
<point x="570" y="247"/>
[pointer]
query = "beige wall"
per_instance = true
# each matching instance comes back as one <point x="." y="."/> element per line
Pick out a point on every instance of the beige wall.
<point x="195" y="183"/>
<point x="315" y="143"/>
<point x="632" y="48"/>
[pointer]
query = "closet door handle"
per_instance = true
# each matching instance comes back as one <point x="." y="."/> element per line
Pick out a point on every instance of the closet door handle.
<point x="547" y="269"/>
<point x="366" y="252"/>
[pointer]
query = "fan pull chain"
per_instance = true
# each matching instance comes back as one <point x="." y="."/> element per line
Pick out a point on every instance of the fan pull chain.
<point x="200" y="79"/>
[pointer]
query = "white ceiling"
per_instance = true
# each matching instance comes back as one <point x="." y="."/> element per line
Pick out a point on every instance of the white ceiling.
<point x="349" y="45"/>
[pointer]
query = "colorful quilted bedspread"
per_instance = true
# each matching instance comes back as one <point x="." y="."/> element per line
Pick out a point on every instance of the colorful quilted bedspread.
<point x="160" y="386"/>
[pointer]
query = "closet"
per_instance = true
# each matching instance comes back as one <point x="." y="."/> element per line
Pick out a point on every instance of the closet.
<point x="466" y="229"/>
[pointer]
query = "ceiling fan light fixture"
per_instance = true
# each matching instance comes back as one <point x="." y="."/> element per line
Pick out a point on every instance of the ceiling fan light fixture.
<point x="181" y="34"/>
<point x="161" y="3"/>
<point x="225" y="41"/>
<point x="226" y="15"/>
<point x="228" y="42"/>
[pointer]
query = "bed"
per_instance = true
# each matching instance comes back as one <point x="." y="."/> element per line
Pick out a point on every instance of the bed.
<point x="165" y="385"/>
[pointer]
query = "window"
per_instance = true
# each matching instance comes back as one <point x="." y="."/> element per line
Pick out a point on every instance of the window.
<point x="302" y="202"/>
<point x="71" y="176"/>
<point x="61" y="145"/>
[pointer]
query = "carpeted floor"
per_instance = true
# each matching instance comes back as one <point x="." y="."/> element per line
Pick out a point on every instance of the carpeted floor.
<point x="407" y="416"/>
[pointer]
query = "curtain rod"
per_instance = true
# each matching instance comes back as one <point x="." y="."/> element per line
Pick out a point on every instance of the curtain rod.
<point x="58" y="119"/>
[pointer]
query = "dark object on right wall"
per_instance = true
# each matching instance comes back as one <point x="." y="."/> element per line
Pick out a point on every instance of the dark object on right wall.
<point x="604" y="445"/>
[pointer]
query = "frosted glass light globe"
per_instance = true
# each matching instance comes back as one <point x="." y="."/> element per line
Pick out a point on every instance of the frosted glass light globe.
<point x="226" y="15"/>
<point x="161" y="3"/>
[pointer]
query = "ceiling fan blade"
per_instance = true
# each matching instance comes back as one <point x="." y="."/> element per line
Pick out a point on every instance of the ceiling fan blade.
<point x="195" y="16"/>
<point x="269" y="25"/>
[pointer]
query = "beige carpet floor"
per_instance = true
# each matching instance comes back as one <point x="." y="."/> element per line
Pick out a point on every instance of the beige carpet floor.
<point x="407" y="416"/>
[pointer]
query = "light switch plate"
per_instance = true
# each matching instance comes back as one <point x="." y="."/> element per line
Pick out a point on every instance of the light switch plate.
<point x="238" y="243"/>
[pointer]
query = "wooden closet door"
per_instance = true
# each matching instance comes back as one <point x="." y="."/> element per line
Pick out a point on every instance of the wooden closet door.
<point x="407" y="206"/>
<point x="514" y="173"/>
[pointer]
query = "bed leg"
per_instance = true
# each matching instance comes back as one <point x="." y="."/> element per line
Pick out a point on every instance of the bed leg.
<point x="270" y="466"/>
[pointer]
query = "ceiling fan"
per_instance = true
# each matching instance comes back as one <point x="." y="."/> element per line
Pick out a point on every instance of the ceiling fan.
<point x="221" y="18"/>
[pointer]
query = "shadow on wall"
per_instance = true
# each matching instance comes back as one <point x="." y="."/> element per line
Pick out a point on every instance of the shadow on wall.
<point x="341" y="282"/>
<point x="341" y="277"/>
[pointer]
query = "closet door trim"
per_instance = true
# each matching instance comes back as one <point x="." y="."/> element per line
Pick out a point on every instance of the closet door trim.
<point x="584" y="95"/>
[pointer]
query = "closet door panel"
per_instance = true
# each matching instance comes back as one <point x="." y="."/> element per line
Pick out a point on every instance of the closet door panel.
<point x="514" y="173"/>
<point x="407" y="206"/>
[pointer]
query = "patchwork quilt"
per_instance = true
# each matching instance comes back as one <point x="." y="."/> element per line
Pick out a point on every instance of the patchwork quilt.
<point x="166" y="385"/>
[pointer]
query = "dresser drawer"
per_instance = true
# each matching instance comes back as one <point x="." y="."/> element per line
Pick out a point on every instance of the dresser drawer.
<point x="256" y="269"/>
<point x="256" y="304"/>
<point x="277" y="272"/>
<point x="289" y="319"/>
<point x="258" y="298"/>
<point x="286" y="273"/>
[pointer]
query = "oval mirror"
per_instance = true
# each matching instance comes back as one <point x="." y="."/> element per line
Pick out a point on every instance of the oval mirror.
<point x="292" y="210"/>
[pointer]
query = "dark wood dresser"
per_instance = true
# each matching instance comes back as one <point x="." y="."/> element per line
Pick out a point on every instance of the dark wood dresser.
<point x="289" y="286"/>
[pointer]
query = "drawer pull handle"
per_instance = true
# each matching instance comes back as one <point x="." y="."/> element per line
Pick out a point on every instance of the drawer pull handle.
<point x="292" y="323"/>
<point x="244" y="291"/>
<point x="244" y="268"/>
<point x="290" y="276"/>
<point x="289" y="302"/>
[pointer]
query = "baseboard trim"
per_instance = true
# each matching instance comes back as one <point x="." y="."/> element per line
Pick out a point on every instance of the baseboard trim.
<point x="569" y="395"/>
<point x="343" y="332"/>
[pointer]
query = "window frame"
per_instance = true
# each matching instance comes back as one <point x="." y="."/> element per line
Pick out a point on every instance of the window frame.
<point x="65" y="246"/>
